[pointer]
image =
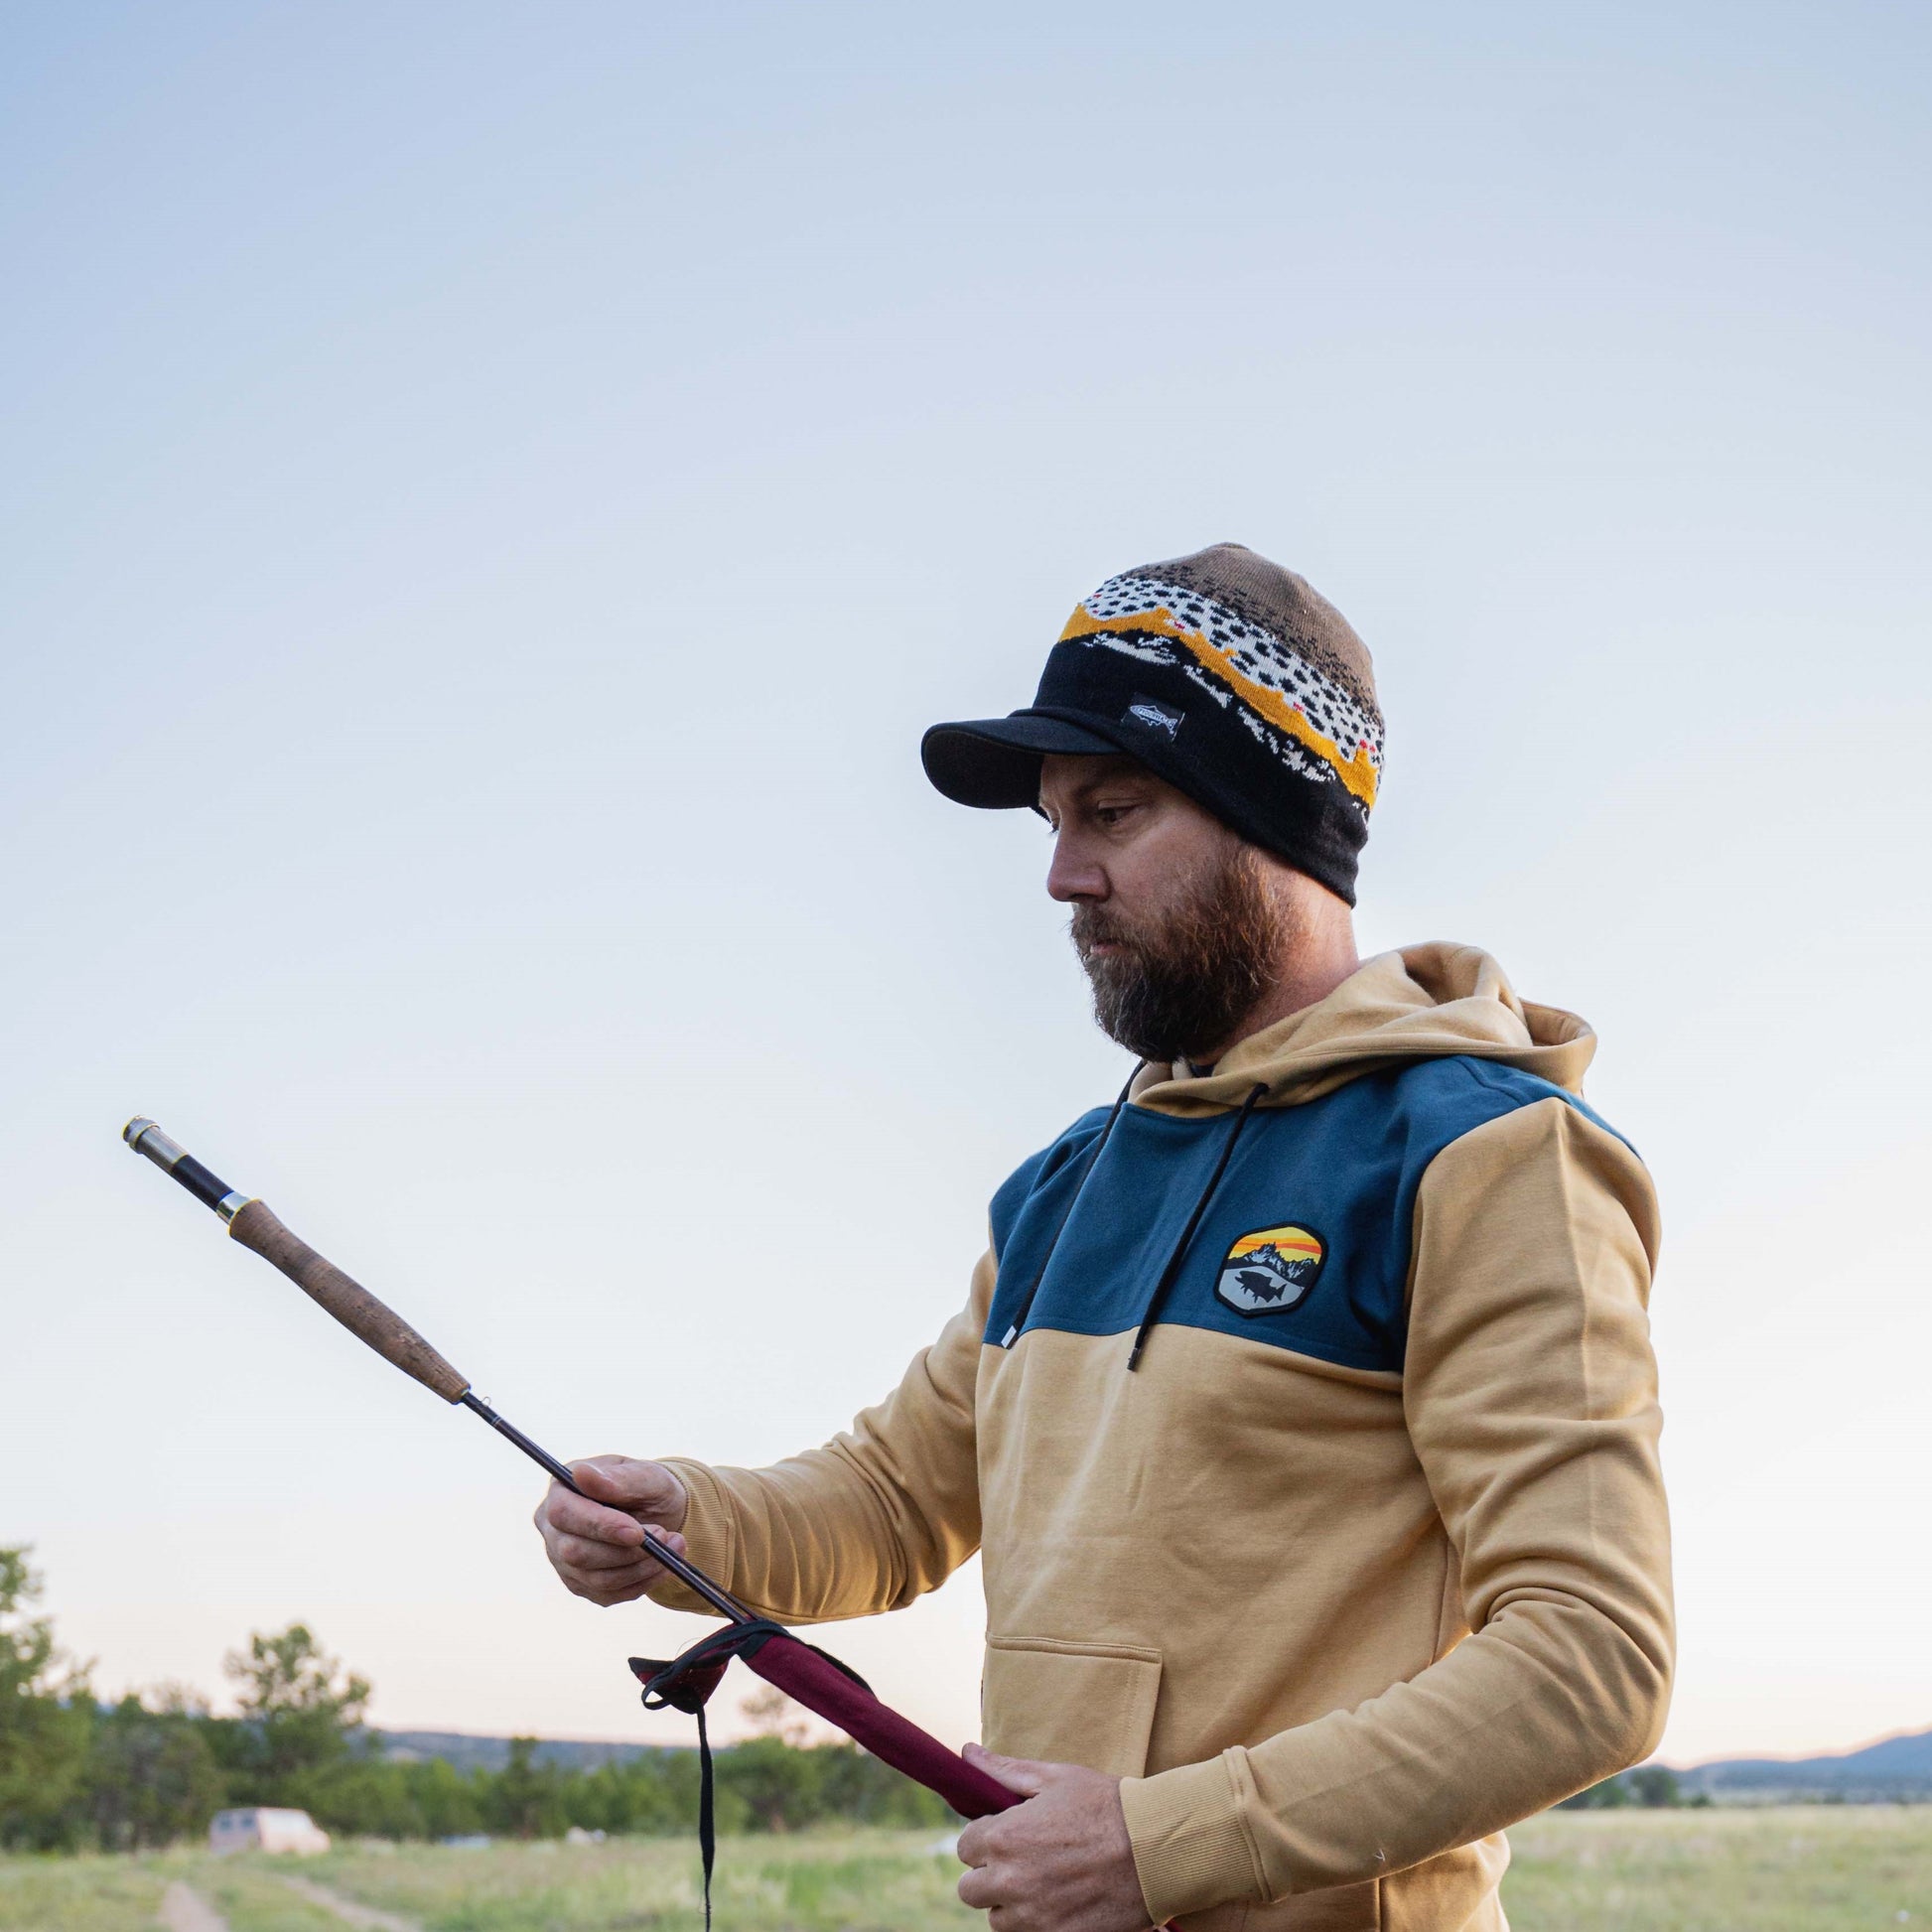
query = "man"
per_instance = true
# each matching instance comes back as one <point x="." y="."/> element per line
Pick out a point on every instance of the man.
<point x="1304" y="1405"/>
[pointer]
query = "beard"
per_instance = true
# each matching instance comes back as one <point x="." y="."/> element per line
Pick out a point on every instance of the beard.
<point x="1182" y="980"/>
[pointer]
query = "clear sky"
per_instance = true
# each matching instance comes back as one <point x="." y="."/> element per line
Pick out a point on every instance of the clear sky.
<point x="494" y="496"/>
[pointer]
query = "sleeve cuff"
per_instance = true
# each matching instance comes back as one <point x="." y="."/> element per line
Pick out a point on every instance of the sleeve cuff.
<point x="1191" y="1847"/>
<point x="709" y="1541"/>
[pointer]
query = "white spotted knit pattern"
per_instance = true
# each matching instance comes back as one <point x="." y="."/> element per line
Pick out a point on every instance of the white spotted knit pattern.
<point x="1258" y="654"/>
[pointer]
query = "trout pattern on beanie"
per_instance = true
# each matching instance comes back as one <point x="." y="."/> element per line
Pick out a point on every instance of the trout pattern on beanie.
<point x="1311" y="713"/>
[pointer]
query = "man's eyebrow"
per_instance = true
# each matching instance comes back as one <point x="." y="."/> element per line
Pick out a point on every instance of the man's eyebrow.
<point x="1113" y="782"/>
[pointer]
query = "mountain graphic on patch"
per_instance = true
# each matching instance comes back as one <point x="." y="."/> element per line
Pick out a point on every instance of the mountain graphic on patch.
<point x="1271" y="1271"/>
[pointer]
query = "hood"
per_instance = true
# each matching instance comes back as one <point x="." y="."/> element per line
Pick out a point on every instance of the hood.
<point x="1422" y="1002"/>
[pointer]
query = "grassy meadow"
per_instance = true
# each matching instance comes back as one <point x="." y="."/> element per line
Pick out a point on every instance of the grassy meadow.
<point x="1777" y="1869"/>
<point x="1822" y="1868"/>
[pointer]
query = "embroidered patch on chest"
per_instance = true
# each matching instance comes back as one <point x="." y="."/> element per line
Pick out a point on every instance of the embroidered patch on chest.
<point x="1271" y="1271"/>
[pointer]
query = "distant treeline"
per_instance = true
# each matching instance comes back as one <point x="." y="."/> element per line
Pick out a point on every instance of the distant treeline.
<point x="77" y="1772"/>
<point x="1655" y="1787"/>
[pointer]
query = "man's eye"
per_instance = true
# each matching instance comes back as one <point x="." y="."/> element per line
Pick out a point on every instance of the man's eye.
<point x="1111" y="814"/>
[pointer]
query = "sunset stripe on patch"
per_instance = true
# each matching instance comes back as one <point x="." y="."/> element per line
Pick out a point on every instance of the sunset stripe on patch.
<point x="1294" y="1244"/>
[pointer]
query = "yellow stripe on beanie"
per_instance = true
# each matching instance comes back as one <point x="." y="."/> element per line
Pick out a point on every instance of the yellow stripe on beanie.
<point x="1357" y="773"/>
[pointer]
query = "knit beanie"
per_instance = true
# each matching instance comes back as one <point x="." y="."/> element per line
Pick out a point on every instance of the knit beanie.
<point x="1224" y="674"/>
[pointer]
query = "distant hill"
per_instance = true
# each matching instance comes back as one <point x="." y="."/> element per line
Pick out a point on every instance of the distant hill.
<point x="468" y="1752"/>
<point x="1894" y="1767"/>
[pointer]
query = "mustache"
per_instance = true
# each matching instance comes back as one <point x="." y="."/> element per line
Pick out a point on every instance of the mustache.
<point x="1093" y="925"/>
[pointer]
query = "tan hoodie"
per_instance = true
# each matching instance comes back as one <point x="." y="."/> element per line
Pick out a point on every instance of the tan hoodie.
<point x="1366" y="1555"/>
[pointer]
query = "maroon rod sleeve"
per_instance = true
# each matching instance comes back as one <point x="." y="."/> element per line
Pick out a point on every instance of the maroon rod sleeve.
<point x="829" y="1690"/>
<point x="821" y="1686"/>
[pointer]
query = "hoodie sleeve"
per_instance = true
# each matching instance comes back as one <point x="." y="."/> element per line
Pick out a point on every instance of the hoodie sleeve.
<point x="1531" y="1396"/>
<point x="882" y="1514"/>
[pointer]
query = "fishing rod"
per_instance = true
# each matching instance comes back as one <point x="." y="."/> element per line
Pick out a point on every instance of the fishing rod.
<point x="255" y="1225"/>
<point x="684" y="1683"/>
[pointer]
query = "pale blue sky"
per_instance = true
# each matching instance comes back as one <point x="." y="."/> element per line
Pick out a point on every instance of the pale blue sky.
<point x="495" y="495"/>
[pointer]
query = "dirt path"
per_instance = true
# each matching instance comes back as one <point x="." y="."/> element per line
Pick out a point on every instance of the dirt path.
<point x="183" y="1909"/>
<point x="366" y="1917"/>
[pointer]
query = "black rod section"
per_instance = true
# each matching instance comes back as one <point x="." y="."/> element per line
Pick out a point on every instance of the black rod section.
<point x="144" y="1137"/>
<point x="685" y="1573"/>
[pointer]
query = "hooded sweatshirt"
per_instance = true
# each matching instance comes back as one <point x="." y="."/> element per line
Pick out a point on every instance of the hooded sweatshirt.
<point x="1307" y="1417"/>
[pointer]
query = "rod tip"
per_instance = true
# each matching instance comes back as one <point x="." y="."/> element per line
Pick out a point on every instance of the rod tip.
<point x="135" y="1128"/>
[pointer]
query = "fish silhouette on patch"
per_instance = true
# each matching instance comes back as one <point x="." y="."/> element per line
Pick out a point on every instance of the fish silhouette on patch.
<point x="1271" y="1271"/>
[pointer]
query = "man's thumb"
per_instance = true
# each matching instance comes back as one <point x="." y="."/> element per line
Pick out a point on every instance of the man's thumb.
<point x="1022" y="1775"/>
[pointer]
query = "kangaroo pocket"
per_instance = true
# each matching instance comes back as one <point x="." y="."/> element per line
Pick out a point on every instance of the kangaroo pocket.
<point x="1088" y="1704"/>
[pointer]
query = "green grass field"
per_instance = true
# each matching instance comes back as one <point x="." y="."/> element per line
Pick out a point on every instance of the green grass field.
<point x="1822" y="1868"/>
<point x="1802" y="1869"/>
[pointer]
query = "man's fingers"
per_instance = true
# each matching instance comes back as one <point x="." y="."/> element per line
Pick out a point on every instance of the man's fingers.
<point x="580" y="1553"/>
<point x="577" y="1516"/>
<point x="583" y="1553"/>
<point x="609" y="1587"/>
<point x="979" y="1842"/>
<point x="595" y="1541"/>
<point x="1024" y="1775"/>
<point x="981" y="1888"/>
<point x="988" y="1893"/>
<point x="609" y="1575"/>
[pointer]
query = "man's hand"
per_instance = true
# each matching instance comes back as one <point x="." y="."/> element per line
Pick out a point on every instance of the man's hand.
<point x="599" y="1551"/>
<point x="1060" y="1863"/>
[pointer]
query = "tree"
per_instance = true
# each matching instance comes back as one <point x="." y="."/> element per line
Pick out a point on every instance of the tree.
<point x="153" y="1767"/>
<point x="1608" y="1795"/>
<point x="777" y="1783"/>
<point x="301" y="1713"/>
<point x="654" y="1792"/>
<point x="150" y="1777"/>
<point x="45" y="1713"/>
<point x="525" y="1798"/>
<point x="447" y="1802"/>
<point x="853" y="1784"/>
<point x="1655" y="1786"/>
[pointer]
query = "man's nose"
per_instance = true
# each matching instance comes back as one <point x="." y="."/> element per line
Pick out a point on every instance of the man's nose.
<point x="1074" y="874"/>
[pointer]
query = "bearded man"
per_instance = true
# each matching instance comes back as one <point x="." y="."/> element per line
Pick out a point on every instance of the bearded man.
<point x="1304" y="1405"/>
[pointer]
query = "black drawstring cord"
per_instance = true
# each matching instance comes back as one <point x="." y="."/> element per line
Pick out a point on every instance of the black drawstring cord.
<point x="707" y="1813"/>
<point x="685" y="1683"/>
<point x="1168" y="1274"/>
<point x="1019" y="1321"/>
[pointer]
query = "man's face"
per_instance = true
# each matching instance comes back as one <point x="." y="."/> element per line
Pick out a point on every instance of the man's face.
<point x="1177" y="932"/>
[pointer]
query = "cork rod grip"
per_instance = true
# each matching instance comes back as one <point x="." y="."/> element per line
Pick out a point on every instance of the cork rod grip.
<point x="256" y="1226"/>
